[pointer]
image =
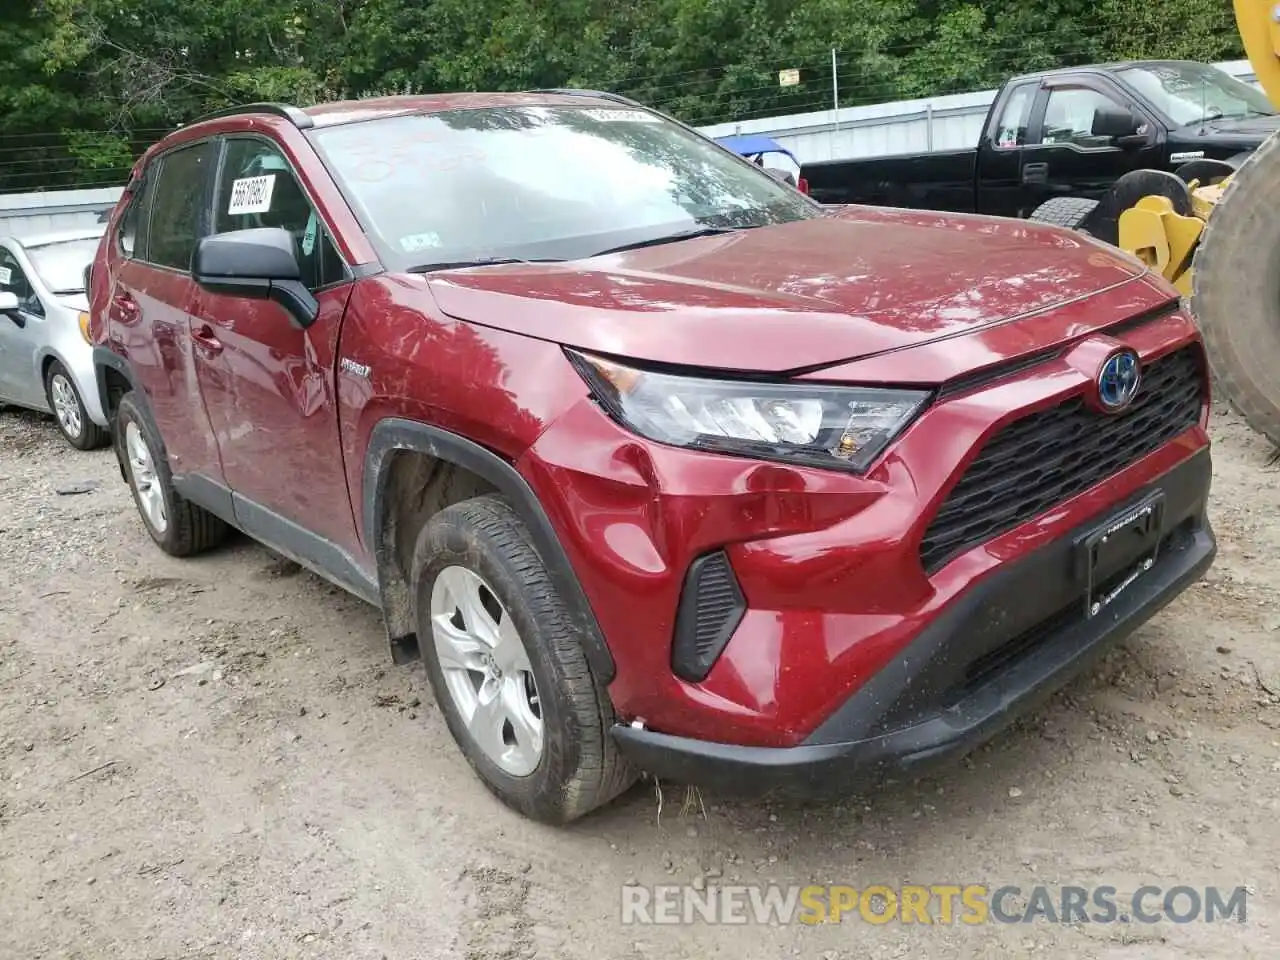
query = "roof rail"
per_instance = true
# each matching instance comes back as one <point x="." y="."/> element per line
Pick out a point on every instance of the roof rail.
<point x="294" y="115"/>
<point x="575" y="92"/>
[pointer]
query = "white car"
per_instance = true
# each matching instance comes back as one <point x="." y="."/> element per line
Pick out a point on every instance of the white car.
<point x="46" y="360"/>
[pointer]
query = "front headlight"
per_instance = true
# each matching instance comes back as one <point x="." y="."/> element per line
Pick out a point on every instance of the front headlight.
<point x="83" y="320"/>
<point x="843" y="428"/>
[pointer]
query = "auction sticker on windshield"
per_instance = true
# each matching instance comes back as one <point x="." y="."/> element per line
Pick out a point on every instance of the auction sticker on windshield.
<point x="615" y="116"/>
<point x="251" y="195"/>
<point x="5" y="276"/>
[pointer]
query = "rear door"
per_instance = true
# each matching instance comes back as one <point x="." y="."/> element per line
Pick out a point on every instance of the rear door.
<point x="1000" y="153"/>
<point x="21" y="333"/>
<point x="152" y="296"/>
<point x="1063" y="157"/>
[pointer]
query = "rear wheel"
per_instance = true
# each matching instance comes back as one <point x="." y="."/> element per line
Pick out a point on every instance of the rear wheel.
<point x="69" y="411"/>
<point x="508" y="668"/>
<point x="1236" y="290"/>
<point x="178" y="526"/>
<point x="1069" y="212"/>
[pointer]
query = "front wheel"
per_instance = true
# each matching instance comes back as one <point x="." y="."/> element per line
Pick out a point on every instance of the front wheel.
<point x="69" y="411"/>
<point x="508" y="667"/>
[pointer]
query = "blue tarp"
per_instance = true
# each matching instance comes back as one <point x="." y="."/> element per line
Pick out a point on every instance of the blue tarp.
<point x="751" y="145"/>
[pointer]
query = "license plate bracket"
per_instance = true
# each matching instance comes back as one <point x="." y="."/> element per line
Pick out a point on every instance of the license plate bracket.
<point x="1119" y="551"/>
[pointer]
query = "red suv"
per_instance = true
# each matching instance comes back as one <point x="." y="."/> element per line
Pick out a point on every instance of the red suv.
<point x="657" y="464"/>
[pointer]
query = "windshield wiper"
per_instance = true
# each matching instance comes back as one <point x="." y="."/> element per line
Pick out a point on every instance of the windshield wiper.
<point x="707" y="231"/>
<point x="480" y="262"/>
<point x="68" y="293"/>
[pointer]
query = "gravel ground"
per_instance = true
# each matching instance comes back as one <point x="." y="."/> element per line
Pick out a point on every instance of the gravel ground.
<point x="215" y="758"/>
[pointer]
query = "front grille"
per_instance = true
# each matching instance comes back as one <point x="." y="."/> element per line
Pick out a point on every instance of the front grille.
<point x="1040" y="460"/>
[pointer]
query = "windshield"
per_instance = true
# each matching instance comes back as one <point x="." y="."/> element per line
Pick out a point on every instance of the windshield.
<point x="1190" y="93"/>
<point x="60" y="265"/>
<point x="541" y="183"/>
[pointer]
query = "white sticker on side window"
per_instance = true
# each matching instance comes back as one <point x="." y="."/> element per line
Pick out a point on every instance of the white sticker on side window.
<point x="251" y="195"/>
<point x="5" y="276"/>
<point x="622" y="116"/>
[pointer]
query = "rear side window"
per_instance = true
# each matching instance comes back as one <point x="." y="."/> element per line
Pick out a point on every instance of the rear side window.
<point x="132" y="234"/>
<point x="1012" y="129"/>
<point x="178" y="208"/>
<point x="259" y="189"/>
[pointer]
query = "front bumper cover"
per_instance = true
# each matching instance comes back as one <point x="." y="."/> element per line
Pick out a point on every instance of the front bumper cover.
<point x="962" y="679"/>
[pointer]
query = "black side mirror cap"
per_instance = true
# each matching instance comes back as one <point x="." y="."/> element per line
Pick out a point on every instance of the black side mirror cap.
<point x="258" y="264"/>
<point x="1114" y="122"/>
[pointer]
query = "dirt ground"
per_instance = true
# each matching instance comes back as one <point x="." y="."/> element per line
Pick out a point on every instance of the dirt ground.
<point x="215" y="758"/>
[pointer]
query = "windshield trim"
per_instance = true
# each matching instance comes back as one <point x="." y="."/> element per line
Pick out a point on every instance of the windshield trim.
<point x="398" y="261"/>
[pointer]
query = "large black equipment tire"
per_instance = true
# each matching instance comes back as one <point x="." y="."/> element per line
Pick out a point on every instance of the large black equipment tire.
<point x="1236" y="290"/>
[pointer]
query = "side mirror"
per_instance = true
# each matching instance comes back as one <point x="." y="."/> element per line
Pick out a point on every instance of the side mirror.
<point x="9" y="307"/>
<point x="1114" y="122"/>
<point x="257" y="264"/>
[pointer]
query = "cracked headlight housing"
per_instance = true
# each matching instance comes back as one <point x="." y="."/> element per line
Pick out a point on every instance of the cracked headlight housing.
<point x="818" y="425"/>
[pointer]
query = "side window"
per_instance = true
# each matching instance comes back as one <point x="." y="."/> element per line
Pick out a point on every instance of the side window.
<point x="258" y="189"/>
<point x="1068" y="117"/>
<point x="178" y="207"/>
<point x="131" y="236"/>
<point x="1012" y="128"/>
<point x="14" y="280"/>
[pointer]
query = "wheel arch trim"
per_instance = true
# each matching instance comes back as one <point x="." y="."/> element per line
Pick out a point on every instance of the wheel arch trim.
<point x="395" y="434"/>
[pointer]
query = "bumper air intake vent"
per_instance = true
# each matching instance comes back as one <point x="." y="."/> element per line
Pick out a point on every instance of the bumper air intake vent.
<point x="711" y="607"/>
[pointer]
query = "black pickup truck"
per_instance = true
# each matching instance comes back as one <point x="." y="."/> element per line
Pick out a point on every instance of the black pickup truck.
<point x="1068" y="133"/>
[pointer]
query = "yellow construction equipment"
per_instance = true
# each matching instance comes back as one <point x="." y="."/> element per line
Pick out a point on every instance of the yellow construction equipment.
<point x="1222" y="250"/>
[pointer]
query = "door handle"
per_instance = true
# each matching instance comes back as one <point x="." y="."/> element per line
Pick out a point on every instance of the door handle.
<point x="205" y="339"/>
<point x="1035" y="173"/>
<point x="125" y="308"/>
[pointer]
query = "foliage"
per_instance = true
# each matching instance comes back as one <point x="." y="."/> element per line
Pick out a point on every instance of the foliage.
<point x="86" y="84"/>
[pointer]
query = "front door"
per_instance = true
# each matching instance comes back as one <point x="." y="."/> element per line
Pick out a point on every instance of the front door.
<point x="21" y="334"/>
<point x="267" y="383"/>
<point x="1064" y="158"/>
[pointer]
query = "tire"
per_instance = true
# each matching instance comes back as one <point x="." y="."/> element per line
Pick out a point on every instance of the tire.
<point x="182" y="529"/>
<point x="1069" y="212"/>
<point x="69" y="414"/>
<point x="483" y="543"/>
<point x="1235" y="295"/>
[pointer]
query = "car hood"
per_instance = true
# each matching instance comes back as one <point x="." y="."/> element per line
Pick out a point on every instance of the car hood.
<point x="806" y="294"/>
<point x="1246" y="128"/>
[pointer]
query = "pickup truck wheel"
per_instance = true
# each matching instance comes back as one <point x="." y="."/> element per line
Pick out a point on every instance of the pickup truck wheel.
<point x="508" y="668"/>
<point x="178" y="526"/>
<point x="1069" y="212"/>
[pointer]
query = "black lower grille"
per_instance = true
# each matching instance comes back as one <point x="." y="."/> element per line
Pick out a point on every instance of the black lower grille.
<point x="1040" y="460"/>
<point x="711" y="607"/>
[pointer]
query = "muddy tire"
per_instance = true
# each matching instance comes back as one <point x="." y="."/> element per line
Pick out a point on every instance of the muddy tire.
<point x="508" y="667"/>
<point x="178" y="526"/>
<point x="1236" y="291"/>
<point x="1069" y="212"/>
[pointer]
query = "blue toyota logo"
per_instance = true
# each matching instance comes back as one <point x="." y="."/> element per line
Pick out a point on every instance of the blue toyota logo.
<point x="1119" y="379"/>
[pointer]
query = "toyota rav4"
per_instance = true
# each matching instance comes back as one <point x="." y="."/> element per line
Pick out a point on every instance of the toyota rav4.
<point x="658" y="465"/>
